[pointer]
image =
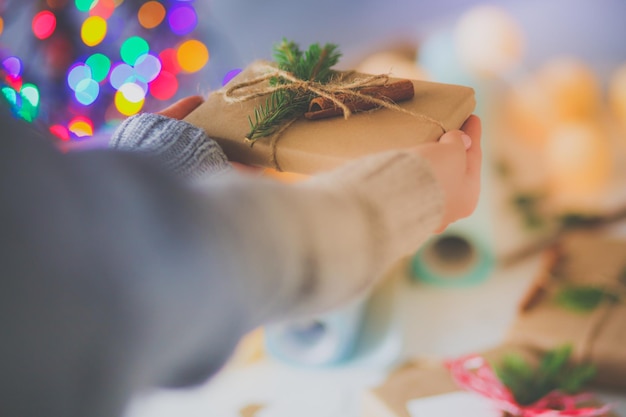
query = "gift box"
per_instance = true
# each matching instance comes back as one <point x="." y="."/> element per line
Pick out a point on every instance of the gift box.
<point x="309" y="146"/>
<point x="579" y="300"/>
<point x="419" y="379"/>
<point x="429" y="389"/>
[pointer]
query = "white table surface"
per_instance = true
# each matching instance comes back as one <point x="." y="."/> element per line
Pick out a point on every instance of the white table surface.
<point x="427" y="322"/>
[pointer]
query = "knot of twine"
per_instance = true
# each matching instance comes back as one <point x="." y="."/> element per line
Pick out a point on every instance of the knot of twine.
<point x="245" y="91"/>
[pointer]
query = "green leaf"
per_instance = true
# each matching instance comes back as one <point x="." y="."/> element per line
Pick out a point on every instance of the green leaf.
<point x="584" y="298"/>
<point x="529" y="384"/>
<point x="315" y="64"/>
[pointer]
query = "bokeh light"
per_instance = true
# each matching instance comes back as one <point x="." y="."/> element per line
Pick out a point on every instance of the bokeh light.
<point x="111" y="71"/>
<point x="133" y="48"/>
<point x="78" y="73"/>
<point x="87" y="91"/>
<point x="164" y="86"/>
<point x="182" y="19"/>
<point x="81" y="126"/>
<point x="126" y="106"/>
<point x="44" y="24"/>
<point x="230" y="75"/>
<point x="121" y="74"/>
<point x="30" y="92"/>
<point x="85" y="5"/>
<point x="13" y="66"/>
<point x="169" y="61"/>
<point x="60" y="132"/>
<point x="93" y="30"/>
<point x="192" y="55"/>
<point x="100" y="66"/>
<point x="147" y="67"/>
<point x="103" y="8"/>
<point x="151" y="14"/>
<point x="11" y="96"/>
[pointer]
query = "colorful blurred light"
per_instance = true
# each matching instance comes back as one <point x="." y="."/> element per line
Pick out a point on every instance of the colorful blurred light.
<point x="100" y="66"/>
<point x="81" y="126"/>
<point x="44" y="24"/>
<point x="182" y="19"/>
<point x="192" y="55"/>
<point x="151" y="14"/>
<point x="60" y="132"/>
<point x="93" y="30"/>
<point x="121" y="74"/>
<point x="133" y="48"/>
<point x="85" y="5"/>
<point x="139" y="72"/>
<point x="164" y="86"/>
<point x="31" y="93"/>
<point x="147" y="67"/>
<point x="87" y="91"/>
<point x="230" y="75"/>
<point x="11" y="96"/>
<point x="126" y="106"/>
<point x="13" y="66"/>
<point x="103" y="8"/>
<point x="169" y="61"/>
<point x="76" y="74"/>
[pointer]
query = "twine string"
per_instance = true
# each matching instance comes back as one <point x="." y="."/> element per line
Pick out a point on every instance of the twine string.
<point x="248" y="90"/>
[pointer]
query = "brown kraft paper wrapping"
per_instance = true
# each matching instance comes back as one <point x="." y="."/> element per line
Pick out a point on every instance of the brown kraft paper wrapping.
<point x="598" y="336"/>
<point x="423" y="379"/>
<point x="311" y="146"/>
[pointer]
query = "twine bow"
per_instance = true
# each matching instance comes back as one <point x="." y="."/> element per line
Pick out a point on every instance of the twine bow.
<point x="246" y="91"/>
<point x="474" y="374"/>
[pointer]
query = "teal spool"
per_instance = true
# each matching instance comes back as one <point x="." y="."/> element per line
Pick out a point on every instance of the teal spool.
<point x="452" y="259"/>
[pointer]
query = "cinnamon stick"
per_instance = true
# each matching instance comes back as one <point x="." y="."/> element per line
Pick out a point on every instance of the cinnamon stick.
<point x="539" y="287"/>
<point x="393" y="92"/>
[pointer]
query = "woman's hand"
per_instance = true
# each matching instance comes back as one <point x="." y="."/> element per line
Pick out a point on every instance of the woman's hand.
<point x="182" y="107"/>
<point x="456" y="163"/>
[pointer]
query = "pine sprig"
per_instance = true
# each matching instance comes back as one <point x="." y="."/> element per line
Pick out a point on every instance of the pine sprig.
<point x="584" y="298"/>
<point x="314" y="64"/>
<point x="554" y="373"/>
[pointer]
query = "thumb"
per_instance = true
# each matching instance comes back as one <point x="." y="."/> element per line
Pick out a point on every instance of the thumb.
<point x="457" y="137"/>
<point x="182" y="107"/>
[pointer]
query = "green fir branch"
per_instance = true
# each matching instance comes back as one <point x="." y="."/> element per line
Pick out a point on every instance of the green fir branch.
<point x="314" y="64"/>
<point x="529" y="384"/>
<point x="584" y="298"/>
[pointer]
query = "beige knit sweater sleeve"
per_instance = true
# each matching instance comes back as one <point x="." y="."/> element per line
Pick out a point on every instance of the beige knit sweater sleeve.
<point x="303" y="249"/>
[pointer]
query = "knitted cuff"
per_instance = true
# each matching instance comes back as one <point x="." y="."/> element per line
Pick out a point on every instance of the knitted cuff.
<point x="401" y="194"/>
<point x="182" y="147"/>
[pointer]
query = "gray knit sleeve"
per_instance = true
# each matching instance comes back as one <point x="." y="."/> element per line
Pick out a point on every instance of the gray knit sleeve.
<point x="182" y="147"/>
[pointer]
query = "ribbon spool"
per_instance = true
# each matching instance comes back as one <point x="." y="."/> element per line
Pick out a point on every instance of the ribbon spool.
<point x="454" y="258"/>
<point x="321" y="341"/>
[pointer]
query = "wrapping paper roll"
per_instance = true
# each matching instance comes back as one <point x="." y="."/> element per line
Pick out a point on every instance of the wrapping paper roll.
<point x="461" y="256"/>
<point x="367" y="332"/>
<point x="324" y="340"/>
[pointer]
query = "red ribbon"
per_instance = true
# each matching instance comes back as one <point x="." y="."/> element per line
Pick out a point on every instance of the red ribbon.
<point x="473" y="373"/>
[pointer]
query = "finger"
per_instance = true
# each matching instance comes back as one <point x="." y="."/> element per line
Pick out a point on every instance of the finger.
<point x="248" y="169"/>
<point x="473" y="128"/>
<point x="182" y="107"/>
<point x="455" y="141"/>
